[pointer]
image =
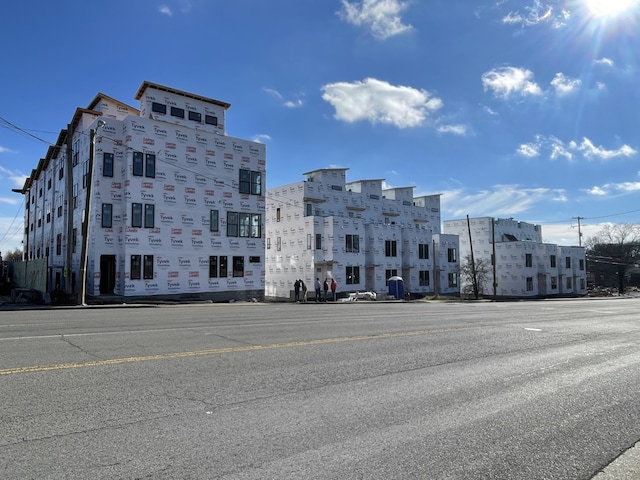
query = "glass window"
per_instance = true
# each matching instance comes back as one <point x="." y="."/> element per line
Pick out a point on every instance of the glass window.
<point x="245" y="224"/>
<point x="232" y="224"/>
<point x="107" y="164"/>
<point x="177" y="112"/>
<point x="238" y="266"/>
<point x="195" y="116"/>
<point x="214" y="221"/>
<point x="213" y="267"/>
<point x="158" y="107"/>
<point x="318" y="241"/>
<point x="136" y="215"/>
<point x="553" y="261"/>
<point x="138" y="166"/>
<point x="210" y="120"/>
<point x="245" y="181"/>
<point x="423" y="251"/>
<point x="256" y="225"/>
<point x="149" y="215"/>
<point x="223" y="266"/>
<point x="107" y="210"/>
<point x="256" y="183"/>
<point x="452" y="255"/>
<point x="568" y="262"/>
<point x="453" y="280"/>
<point x="150" y="165"/>
<point x="391" y="248"/>
<point x="136" y="267"/>
<point x="424" y="278"/>
<point x="352" y="243"/>
<point x="148" y="267"/>
<point x="353" y="275"/>
<point x="528" y="259"/>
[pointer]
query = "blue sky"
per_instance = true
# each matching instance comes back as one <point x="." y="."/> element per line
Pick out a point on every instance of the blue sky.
<point x="526" y="109"/>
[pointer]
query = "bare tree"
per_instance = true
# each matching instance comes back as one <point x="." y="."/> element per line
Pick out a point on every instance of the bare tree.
<point x="474" y="280"/>
<point x="12" y="256"/>
<point x="611" y="252"/>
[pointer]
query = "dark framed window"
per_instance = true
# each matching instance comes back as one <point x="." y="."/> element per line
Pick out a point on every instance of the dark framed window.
<point x="390" y="248"/>
<point x="452" y="255"/>
<point x="424" y="278"/>
<point x="529" y="284"/>
<point x="238" y="266"/>
<point x="107" y="215"/>
<point x="244" y="181"/>
<point x="213" y="266"/>
<point x="453" y="279"/>
<point x="244" y="224"/>
<point x="158" y="107"/>
<point x="353" y="275"/>
<point x="352" y="243"/>
<point x="528" y="260"/>
<point x="136" y="267"/>
<point x="232" y="224"/>
<point x="214" y="221"/>
<point x="318" y="241"/>
<point x="423" y="251"/>
<point x="552" y="261"/>
<point x="278" y="244"/>
<point x="74" y="240"/>
<point x="138" y="165"/>
<point x="136" y="215"/>
<point x="150" y="165"/>
<point x="581" y="267"/>
<point x="59" y="244"/>
<point x="211" y="120"/>
<point x="567" y="262"/>
<point x="256" y="225"/>
<point x="390" y="273"/>
<point x="223" y="266"/>
<point x="107" y="164"/>
<point x="195" y="116"/>
<point x="256" y="183"/>
<point x="177" y="112"/>
<point x="149" y="215"/>
<point x="147" y="270"/>
<point x="254" y="259"/>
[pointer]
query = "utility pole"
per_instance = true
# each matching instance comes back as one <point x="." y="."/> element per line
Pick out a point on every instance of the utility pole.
<point x="473" y="262"/>
<point x="579" y="230"/>
<point x="493" y="243"/>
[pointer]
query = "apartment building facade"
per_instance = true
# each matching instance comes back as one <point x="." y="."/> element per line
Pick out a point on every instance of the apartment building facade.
<point x="155" y="201"/>
<point x="524" y="266"/>
<point x="357" y="233"/>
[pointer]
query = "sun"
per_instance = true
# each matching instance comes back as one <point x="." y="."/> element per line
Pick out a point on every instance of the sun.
<point x="610" y="8"/>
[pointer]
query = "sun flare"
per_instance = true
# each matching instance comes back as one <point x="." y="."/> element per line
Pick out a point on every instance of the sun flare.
<point x="610" y="8"/>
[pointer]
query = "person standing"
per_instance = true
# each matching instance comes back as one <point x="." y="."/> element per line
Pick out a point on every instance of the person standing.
<point x="303" y="288"/>
<point x="296" y="290"/>
<point x="334" y="286"/>
<point x="326" y="289"/>
<point x="317" y="287"/>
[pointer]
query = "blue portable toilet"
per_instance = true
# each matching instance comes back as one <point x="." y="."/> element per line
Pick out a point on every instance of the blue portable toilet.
<point x="396" y="287"/>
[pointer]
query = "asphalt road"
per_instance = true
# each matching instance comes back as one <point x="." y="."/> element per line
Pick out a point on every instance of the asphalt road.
<point x="523" y="390"/>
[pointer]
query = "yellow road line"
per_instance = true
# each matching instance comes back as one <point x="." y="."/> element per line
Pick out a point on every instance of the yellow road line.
<point x="216" y="351"/>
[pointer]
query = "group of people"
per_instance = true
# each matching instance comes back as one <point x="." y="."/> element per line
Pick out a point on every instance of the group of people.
<point x="300" y="290"/>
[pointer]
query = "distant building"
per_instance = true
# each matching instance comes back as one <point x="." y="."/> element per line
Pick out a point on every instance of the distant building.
<point x="524" y="265"/>
<point x="175" y="206"/>
<point x="358" y="233"/>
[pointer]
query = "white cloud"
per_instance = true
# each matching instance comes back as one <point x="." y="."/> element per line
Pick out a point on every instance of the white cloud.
<point x="564" y="85"/>
<point x="601" y="85"/>
<point x="460" y="130"/>
<point x="381" y="16"/>
<point x="273" y="93"/>
<point x="499" y="200"/>
<point x="557" y="148"/>
<point x="506" y="81"/>
<point x="380" y="102"/>
<point x="16" y="178"/>
<point x="536" y="14"/>
<point x="604" y="61"/>
<point x="597" y="191"/>
<point x="262" y="138"/>
<point x="489" y="110"/>
<point x="5" y="150"/>
<point x="165" y="10"/>
<point x="614" y="188"/>
<point x="293" y="103"/>
<point x="529" y="150"/>
<point x="589" y="150"/>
